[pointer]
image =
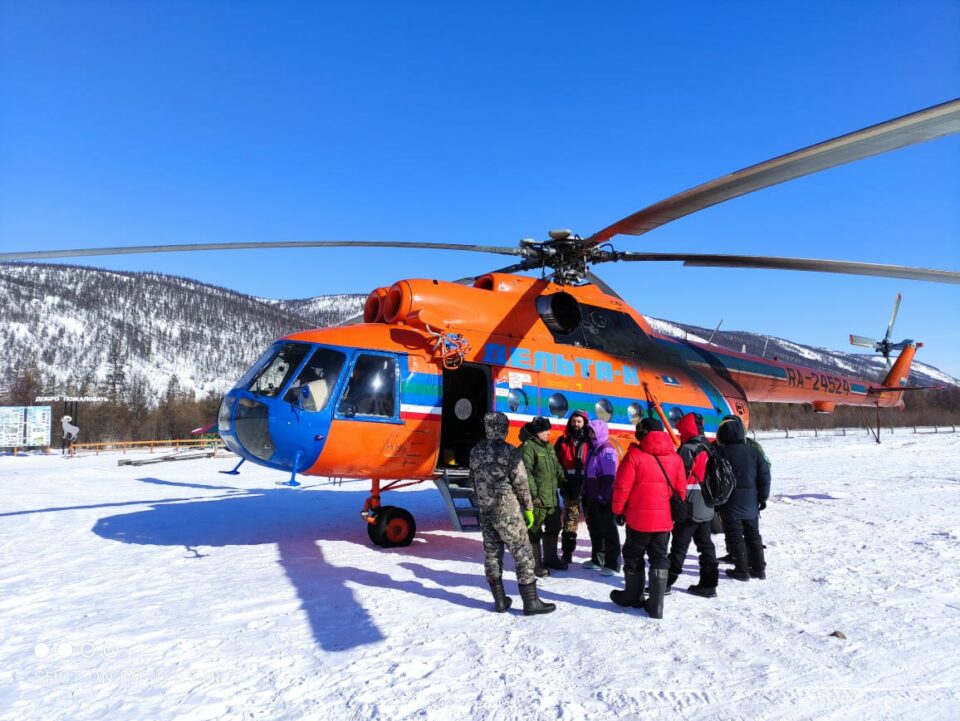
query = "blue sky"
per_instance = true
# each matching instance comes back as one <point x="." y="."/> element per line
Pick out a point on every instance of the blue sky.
<point x="180" y="122"/>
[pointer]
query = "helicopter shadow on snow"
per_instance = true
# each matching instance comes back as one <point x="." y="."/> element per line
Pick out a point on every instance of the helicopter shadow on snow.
<point x="294" y="521"/>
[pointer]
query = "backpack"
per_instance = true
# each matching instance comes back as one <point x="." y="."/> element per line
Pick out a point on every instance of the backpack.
<point x="719" y="479"/>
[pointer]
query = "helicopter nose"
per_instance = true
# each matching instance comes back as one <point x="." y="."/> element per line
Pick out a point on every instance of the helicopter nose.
<point x="271" y="432"/>
<point x="245" y="428"/>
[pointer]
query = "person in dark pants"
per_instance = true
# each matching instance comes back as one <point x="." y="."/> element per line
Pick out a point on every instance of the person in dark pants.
<point x="696" y="527"/>
<point x="545" y="475"/>
<point x="600" y="473"/>
<point x="573" y="450"/>
<point x="646" y="479"/>
<point x="741" y="513"/>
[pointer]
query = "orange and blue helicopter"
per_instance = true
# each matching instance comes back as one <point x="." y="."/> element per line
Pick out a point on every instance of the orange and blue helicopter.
<point x="399" y="397"/>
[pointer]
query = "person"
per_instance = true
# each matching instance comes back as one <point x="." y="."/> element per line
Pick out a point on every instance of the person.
<point x="599" y="476"/>
<point x="506" y="511"/>
<point x="649" y="474"/>
<point x="545" y="475"/>
<point x="694" y="453"/>
<point x="717" y="523"/>
<point x="741" y="513"/>
<point x="573" y="449"/>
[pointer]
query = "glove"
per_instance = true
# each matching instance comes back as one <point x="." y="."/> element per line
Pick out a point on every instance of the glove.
<point x="620" y="519"/>
<point x="763" y="505"/>
<point x="528" y="517"/>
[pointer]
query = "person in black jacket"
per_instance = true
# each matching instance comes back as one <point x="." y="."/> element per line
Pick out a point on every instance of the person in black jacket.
<point x="696" y="527"/>
<point x="741" y="513"/>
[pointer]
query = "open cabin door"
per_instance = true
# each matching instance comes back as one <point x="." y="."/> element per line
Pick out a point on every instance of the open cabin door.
<point x="466" y="398"/>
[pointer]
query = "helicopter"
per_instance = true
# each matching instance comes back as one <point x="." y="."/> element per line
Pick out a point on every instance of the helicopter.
<point x="399" y="396"/>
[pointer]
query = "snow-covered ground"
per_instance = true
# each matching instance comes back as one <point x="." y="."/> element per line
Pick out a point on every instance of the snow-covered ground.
<point x="173" y="592"/>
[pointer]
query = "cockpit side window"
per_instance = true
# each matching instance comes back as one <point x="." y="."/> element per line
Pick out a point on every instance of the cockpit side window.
<point x="313" y="386"/>
<point x="371" y="390"/>
<point x="275" y="374"/>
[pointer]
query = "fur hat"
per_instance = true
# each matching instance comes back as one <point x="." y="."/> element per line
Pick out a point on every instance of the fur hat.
<point x="538" y="425"/>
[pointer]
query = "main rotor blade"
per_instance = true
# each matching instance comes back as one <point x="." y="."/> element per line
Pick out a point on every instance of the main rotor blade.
<point x="133" y="249"/>
<point x="900" y="132"/>
<point x="893" y="317"/>
<point x="809" y="264"/>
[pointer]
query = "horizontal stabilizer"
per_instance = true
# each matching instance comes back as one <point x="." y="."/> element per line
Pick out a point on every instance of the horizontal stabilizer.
<point x="886" y="389"/>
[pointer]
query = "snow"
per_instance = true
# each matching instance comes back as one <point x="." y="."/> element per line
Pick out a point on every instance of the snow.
<point x="170" y="591"/>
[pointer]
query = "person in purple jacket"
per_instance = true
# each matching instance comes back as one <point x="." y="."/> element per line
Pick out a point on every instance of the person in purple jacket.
<point x="599" y="474"/>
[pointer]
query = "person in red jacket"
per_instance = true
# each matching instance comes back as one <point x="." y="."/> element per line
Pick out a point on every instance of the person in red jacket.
<point x="647" y="476"/>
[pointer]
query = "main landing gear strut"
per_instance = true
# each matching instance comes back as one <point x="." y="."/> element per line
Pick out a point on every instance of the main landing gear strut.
<point x="388" y="526"/>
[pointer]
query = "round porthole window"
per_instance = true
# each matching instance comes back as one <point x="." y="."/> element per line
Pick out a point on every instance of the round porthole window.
<point x="558" y="405"/>
<point x="463" y="409"/>
<point x="634" y="413"/>
<point x="517" y="400"/>
<point x="675" y="415"/>
<point x="604" y="409"/>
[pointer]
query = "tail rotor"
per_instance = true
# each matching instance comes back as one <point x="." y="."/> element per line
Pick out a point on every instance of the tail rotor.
<point x="884" y="347"/>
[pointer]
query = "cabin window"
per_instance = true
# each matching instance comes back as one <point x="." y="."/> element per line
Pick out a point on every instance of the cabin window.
<point x="275" y="374"/>
<point x="517" y="400"/>
<point x="372" y="388"/>
<point x="312" y="388"/>
<point x="558" y="405"/>
<point x="675" y="415"/>
<point x="604" y="409"/>
<point x="634" y="412"/>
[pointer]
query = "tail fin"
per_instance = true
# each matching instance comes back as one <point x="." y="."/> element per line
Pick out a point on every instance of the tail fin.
<point x="901" y="367"/>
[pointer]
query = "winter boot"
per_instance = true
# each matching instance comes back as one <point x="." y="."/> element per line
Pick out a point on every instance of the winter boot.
<point x="707" y="588"/>
<point x="596" y="561"/>
<point x="550" y="559"/>
<point x="632" y="594"/>
<point x="741" y="570"/>
<point x="538" y="570"/>
<point x="758" y="564"/>
<point x="532" y="605"/>
<point x="500" y="598"/>
<point x="658" y="588"/>
<point x="568" y="544"/>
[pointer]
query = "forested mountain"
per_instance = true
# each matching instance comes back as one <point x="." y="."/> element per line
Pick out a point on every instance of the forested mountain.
<point x="143" y="336"/>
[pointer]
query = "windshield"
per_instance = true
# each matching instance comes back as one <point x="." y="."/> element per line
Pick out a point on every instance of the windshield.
<point x="313" y="387"/>
<point x="277" y="372"/>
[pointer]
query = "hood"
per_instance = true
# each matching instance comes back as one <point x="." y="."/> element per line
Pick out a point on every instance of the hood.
<point x="586" y="422"/>
<point x="658" y="443"/>
<point x="496" y="426"/>
<point x="687" y="428"/>
<point x="731" y="431"/>
<point x="600" y="431"/>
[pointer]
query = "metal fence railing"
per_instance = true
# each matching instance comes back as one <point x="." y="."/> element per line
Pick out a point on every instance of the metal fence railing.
<point x="817" y="432"/>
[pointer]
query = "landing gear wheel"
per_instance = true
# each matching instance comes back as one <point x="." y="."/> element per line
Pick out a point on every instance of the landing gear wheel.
<point x="395" y="527"/>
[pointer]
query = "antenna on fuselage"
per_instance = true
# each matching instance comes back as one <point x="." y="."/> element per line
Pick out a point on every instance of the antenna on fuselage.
<point x="710" y="339"/>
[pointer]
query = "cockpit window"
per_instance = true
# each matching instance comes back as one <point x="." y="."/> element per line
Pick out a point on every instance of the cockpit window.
<point x="275" y="374"/>
<point x="371" y="390"/>
<point x="312" y="388"/>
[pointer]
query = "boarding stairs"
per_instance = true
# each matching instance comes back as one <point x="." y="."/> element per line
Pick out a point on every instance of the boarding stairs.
<point x="456" y="489"/>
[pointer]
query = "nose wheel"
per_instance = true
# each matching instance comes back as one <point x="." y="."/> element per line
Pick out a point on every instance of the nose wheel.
<point x="391" y="527"/>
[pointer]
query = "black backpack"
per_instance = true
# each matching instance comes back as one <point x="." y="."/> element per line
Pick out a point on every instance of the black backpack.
<point x="719" y="479"/>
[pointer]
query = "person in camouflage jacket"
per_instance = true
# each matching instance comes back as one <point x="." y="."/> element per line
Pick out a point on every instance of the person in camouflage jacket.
<point x="504" y="502"/>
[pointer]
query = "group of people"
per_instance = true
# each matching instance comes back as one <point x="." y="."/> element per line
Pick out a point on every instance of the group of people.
<point x="519" y="492"/>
